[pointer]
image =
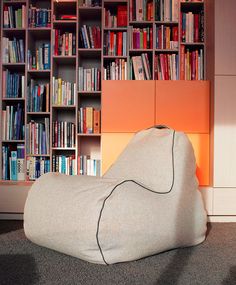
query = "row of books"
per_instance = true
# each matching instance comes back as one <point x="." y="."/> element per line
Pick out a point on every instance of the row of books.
<point x="193" y="27"/>
<point x="167" y="37"/>
<point x="36" y="166"/>
<point x="14" y="17"/>
<point x="192" y="64"/>
<point x="167" y="10"/>
<point x="89" y="120"/>
<point x="117" y="18"/>
<point x="13" y="85"/>
<point x="13" y="163"/>
<point x="37" y="97"/>
<point x="89" y="79"/>
<point x="115" y="70"/>
<point x="141" y="10"/>
<point x="63" y="134"/>
<point x="90" y="37"/>
<point x="115" y="43"/>
<point x="166" y="66"/>
<point x="41" y="58"/>
<point x="89" y="166"/>
<point x="64" y="164"/>
<point x="63" y="43"/>
<point x="39" y="17"/>
<point x="13" y="51"/>
<point x="141" y="67"/>
<point x="37" y="137"/>
<point x="141" y="38"/>
<point x="63" y="92"/>
<point x="13" y="122"/>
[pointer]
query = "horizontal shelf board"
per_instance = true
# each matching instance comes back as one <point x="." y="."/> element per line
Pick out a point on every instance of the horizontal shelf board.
<point x="191" y="3"/>
<point x="116" y="29"/>
<point x="14" y="64"/>
<point x="14" y="29"/>
<point x="13" y="141"/>
<point x="84" y="8"/>
<point x="63" y="148"/>
<point x="141" y="22"/>
<point x="166" y="22"/>
<point x="38" y="29"/>
<point x="64" y="106"/>
<point x="37" y="155"/>
<point x="13" y="182"/>
<point x="140" y="50"/>
<point x="65" y="22"/>
<point x="39" y="70"/>
<point x="115" y="1"/>
<point x="113" y="56"/>
<point x="13" y="99"/>
<point x="89" y="92"/>
<point x="38" y="113"/>
<point x="14" y="2"/>
<point x="88" y="135"/>
<point x="166" y="50"/>
<point x="193" y="44"/>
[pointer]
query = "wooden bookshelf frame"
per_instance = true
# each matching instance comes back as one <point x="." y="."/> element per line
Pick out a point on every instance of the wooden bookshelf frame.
<point x="82" y="54"/>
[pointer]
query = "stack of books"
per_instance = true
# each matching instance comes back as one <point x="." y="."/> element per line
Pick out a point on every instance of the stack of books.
<point x="166" y="66"/>
<point x="115" y="43"/>
<point x="63" y="134"/>
<point x="89" y="79"/>
<point x="36" y="166"/>
<point x="116" y="19"/>
<point x="167" y="37"/>
<point x="192" y="27"/>
<point x="115" y="70"/>
<point x="141" y="10"/>
<point x="167" y="10"/>
<point x="141" y="38"/>
<point x="88" y="166"/>
<point x="39" y="17"/>
<point x="38" y="97"/>
<point x="13" y="85"/>
<point x="64" y="44"/>
<point x="64" y="164"/>
<point x="63" y="92"/>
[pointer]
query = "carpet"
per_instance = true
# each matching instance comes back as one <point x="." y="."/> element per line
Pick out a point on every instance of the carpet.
<point x="213" y="262"/>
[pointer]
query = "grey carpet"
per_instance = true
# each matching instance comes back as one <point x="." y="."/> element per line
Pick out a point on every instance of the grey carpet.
<point x="213" y="262"/>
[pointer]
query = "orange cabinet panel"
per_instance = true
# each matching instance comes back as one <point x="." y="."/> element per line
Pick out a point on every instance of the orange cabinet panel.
<point x="183" y="105"/>
<point x="201" y="148"/>
<point x="128" y="105"/>
<point x="114" y="143"/>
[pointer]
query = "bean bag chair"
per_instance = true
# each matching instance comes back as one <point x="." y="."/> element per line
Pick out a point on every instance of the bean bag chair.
<point x="146" y="203"/>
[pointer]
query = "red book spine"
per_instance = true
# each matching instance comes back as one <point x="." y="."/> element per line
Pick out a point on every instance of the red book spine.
<point x="119" y="43"/>
<point x="84" y="121"/>
<point x="122" y="16"/>
<point x="182" y="63"/>
<point x="151" y="38"/>
<point x="145" y="39"/>
<point x="196" y="28"/>
<point x="56" y="43"/>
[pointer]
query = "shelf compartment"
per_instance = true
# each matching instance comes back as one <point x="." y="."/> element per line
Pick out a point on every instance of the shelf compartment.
<point x="64" y="106"/>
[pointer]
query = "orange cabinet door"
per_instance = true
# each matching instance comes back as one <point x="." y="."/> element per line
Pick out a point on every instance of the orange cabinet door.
<point x="201" y="146"/>
<point x="183" y="105"/>
<point x="128" y="105"/>
<point x="112" y="144"/>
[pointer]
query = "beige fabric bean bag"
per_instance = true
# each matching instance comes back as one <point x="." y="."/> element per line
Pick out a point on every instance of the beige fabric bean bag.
<point x="146" y="203"/>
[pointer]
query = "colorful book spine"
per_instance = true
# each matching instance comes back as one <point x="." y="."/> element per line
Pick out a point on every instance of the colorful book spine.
<point x="37" y="97"/>
<point x="167" y="37"/>
<point x="13" y="85"/>
<point x="115" y="70"/>
<point x="39" y="17"/>
<point x="89" y="166"/>
<point x="166" y="66"/>
<point x="115" y="43"/>
<point x="64" y="44"/>
<point x="90" y="37"/>
<point x="64" y="164"/>
<point x="89" y="79"/>
<point x="36" y="166"/>
<point x="64" y="93"/>
<point x="63" y="134"/>
<point x="14" y="17"/>
<point x="192" y="27"/>
<point x="89" y="120"/>
<point x="140" y="38"/>
<point x="13" y="50"/>
<point x="40" y="59"/>
<point x="141" y="67"/>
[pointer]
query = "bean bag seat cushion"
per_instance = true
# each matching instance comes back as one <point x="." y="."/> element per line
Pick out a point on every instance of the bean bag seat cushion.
<point x="146" y="203"/>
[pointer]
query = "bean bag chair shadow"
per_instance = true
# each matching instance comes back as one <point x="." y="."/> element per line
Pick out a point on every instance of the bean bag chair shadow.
<point x="146" y="203"/>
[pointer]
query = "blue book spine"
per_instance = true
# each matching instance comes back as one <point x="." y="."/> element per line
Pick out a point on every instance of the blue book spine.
<point x="13" y="165"/>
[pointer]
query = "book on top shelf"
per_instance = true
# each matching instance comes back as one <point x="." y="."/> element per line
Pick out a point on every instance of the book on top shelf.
<point x="39" y="17"/>
<point x="141" y="10"/>
<point x="14" y="17"/>
<point x="167" y="10"/>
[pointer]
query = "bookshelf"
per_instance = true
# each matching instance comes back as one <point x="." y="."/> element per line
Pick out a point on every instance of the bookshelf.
<point x="67" y="48"/>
